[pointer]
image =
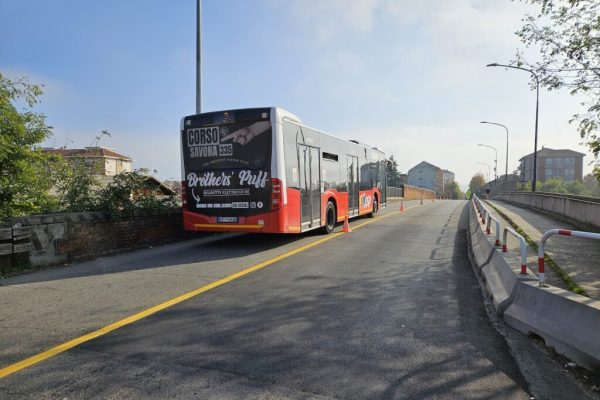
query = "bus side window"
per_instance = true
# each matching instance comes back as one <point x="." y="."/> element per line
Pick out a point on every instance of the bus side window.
<point x="330" y="168"/>
<point x="290" y="154"/>
<point x="365" y="176"/>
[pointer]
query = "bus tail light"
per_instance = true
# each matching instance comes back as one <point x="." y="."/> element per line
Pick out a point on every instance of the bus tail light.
<point x="276" y="194"/>
<point x="183" y="197"/>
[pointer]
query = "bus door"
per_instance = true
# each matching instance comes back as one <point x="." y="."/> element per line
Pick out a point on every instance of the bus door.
<point x="310" y="186"/>
<point x="352" y="185"/>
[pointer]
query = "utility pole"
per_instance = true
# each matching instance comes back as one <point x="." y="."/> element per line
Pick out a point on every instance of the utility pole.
<point x="198" y="56"/>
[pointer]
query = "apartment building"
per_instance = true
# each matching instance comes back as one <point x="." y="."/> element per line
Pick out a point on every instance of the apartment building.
<point x="427" y="176"/>
<point x="551" y="163"/>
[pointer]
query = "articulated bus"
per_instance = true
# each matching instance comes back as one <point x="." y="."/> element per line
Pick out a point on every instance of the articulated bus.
<point x="262" y="170"/>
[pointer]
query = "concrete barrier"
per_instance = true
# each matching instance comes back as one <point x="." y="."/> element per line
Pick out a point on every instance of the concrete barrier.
<point x="502" y="276"/>
<point x="568" y="322"/>
<point x="483" y="244"/>
<point x="483" y="250"/>
<point x="498" y="276"/>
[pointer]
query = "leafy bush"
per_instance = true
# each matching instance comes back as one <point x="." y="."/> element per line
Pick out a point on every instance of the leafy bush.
<point x="589" y="186"/>
<point x="131" y="191"/>
<point x="76" y="189"/>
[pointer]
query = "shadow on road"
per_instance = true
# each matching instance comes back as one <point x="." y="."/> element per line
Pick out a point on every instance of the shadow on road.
<point x="211" y="248"/>
<point x="405" y="331"/>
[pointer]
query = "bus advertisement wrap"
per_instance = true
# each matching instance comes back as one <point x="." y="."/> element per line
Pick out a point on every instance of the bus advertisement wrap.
<point x="227" y="164"/>
<point x="263" y="170"/>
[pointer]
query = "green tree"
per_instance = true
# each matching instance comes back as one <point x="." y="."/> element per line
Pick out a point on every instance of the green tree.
<point x="567" y="34"/>
<point x="553" y="185"/>
<point x="523" y="187"/>
<point x="577" y="188"/>
<point x="592" y="185"/>
<point x="452" y="191"/>
<point x="477" y="183"/>
<point x="392" y="173"/>
<point x="559" y="185"/>
<point x="25" y="171"/>
<point x="75" y="185"/>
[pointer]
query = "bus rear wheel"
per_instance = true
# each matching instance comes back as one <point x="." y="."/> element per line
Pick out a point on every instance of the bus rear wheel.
<point x="330" y="218"/>
<point x="375" y="208"/>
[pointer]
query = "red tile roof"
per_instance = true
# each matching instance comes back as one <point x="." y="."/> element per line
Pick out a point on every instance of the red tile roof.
<point x="89" y="152"/>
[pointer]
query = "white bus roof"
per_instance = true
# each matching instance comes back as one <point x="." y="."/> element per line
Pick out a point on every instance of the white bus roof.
<point x="282" y="113"/>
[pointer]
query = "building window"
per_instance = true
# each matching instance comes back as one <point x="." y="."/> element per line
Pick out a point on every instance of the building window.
<point x="548" y="173"/>
<point x="549" y="163"/>
<point x="558" y="163"/>
<point x="569" y="174"/>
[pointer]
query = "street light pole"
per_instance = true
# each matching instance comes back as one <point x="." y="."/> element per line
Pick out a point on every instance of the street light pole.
<point x="495" y="161"/>
<point x="198" y="56"/>
<point x="506" y="167"/>
<point x="537" y="106"/>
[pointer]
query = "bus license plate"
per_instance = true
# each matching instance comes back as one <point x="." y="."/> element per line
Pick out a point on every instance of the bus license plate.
<point x="227" y="220"/>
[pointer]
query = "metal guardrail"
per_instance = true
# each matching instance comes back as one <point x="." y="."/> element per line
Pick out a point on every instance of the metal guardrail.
<point x="483" y="211"/>
<point x="522" y="247"/>
<point x="487" y="218"/>
<point x="542" y="246"/>
<point x="491" y="218"/>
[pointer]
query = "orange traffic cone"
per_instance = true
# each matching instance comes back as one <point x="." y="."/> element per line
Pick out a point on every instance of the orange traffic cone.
<point x="346" y="227"/>
<point x="402" y="205"/>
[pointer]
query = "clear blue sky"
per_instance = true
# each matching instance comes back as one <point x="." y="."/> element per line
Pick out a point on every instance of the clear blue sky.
<point x="406" y="76"/>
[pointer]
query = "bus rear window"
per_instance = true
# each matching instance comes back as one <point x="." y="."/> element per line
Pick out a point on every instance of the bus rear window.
<point x="227" y="162"/>
<point x="230" y="143"/>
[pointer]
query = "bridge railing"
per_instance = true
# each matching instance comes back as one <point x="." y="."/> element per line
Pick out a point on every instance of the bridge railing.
<point x="487" y="218"/>
<point x="522" y="247"/>
<point x="491" y="218"/>
<point x="542" y="246"/>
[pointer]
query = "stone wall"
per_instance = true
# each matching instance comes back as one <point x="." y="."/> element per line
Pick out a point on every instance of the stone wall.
<point x="63" y="238"/>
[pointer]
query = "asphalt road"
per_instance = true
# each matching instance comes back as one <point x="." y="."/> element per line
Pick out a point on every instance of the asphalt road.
<point x="391" y="310"/>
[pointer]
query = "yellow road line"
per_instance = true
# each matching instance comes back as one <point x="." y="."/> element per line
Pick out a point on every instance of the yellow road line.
<point x="61" y="348"/>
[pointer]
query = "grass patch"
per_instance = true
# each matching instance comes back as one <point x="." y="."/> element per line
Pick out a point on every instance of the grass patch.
<point x="571" y="284"/>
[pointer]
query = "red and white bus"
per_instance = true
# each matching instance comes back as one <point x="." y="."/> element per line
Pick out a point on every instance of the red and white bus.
<point x="262" y="170"/>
